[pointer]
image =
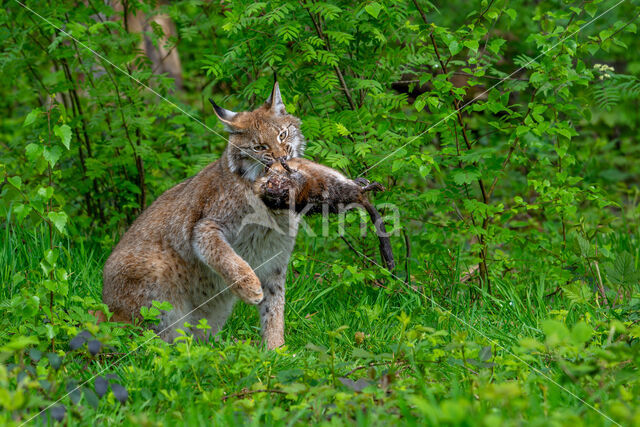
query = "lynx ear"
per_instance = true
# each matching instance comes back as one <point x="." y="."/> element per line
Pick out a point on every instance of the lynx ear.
<point x="274" y="102"/>
<point x="225" y="116"/>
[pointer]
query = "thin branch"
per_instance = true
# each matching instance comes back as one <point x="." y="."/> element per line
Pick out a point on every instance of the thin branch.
<point x="511" y="149"/>
<point x="250" y="392"/>
<point x="355" y="251"/>
<point x="336" y="68"/>
<point x="407" y="258"/>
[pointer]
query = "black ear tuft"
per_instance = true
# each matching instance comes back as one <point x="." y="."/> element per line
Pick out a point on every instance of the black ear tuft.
<point x="223" y="114"/>
<point x="274" y="101"/>
<point x="219" y="110"/>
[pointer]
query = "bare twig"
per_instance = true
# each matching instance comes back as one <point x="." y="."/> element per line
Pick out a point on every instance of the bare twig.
<point x="336" y="68"/>
<point x="250" y="392"/>
<point x="600" y="285"/>
<point x="407" y="243"/>
<point x="484" y="270"/>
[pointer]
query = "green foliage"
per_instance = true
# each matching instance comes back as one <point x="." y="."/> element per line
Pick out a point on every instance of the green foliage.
<point x="504" y="132"/>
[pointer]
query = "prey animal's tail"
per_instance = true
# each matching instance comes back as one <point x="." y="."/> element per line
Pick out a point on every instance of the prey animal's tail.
<point x="383" y="236"/>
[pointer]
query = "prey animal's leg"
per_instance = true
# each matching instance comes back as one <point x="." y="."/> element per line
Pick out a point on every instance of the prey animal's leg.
<point x="367" y="185"/>
<point x="272" y="311"/>
<point x="374" y="186"/>
<point x="213" y="249"/>
<point x="362" y="182"/>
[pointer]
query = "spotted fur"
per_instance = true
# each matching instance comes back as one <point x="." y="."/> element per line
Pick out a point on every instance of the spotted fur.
<point x="193" y="242"/>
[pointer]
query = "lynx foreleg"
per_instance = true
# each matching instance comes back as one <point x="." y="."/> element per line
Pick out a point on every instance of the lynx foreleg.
<point x="272" y="311"/>
<point x="213" y="249"/>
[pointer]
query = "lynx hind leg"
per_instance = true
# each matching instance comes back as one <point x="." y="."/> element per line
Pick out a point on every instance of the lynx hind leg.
<point x="170" y="322"/>
<point x="272" y="310"/>
<point x="133" y="280"/>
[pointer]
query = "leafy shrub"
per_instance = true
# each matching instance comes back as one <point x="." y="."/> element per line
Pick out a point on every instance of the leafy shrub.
<point x="505" y="133"/>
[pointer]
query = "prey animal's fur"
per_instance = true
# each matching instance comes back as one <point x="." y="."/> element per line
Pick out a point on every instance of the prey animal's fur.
<point x="306" y="187"/>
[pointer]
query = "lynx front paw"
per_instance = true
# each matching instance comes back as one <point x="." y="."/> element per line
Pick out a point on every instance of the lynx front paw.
<point x="249" y="290"/>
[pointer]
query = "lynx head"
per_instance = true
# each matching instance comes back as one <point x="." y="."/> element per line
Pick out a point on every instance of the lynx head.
<point x="260" y="137"/>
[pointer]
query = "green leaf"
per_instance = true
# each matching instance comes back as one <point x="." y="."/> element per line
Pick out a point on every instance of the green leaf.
<point x="54" y="360"/>
<point x="496" y="44"/>
<point x="555" y="331"/>
<point x="21" y="211"/>
<point x="564" y="132"/>
<point x="16" y="181"/>
<point x="472" y="44"/>
<point x="90" y="397"/>
<point x="31" y="117"/>
<point x="294" y="388"/>
<point x="605" y="34"/>
<point x="373" y="9"/>
<point x="62" y="275"/>
<point x="454" y="47"/>
<point x="64" y="132"/>
<point x="51" y="285"/>
<point x="59" y="219"/>
<point x="491" y="15"/>
<point x="19" y="343"/>
<point x="45" y="192"/>
<point x="484" y="354"/>
<point x="35" y="354"/>
<point x="52" y="155"/>
<point x="434" y="102"/>
<point x="342" y="130"/>
<point x="51" y="256"/>
<point x="164" y="305"/>
<point x="622" y="270"/>
<point x="585" y="247"/>
<point x="521" y="130"/>
<point x="537" y="77"/>
<point x="581" y="332"/>
<point x="577" y="292"/>
<point x="465" y="176"/>
<point x="33" y="152"/>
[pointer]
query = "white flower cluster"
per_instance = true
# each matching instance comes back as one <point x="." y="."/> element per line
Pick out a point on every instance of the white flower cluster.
<point x="604" y="70"/>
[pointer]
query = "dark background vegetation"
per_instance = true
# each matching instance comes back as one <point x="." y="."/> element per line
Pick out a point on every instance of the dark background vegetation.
<point x="506" y="133"/>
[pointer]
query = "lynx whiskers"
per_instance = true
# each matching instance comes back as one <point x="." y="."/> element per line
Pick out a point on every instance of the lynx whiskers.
<point x="260" y="137"/>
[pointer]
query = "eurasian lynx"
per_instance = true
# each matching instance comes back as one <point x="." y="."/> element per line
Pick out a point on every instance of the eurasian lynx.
<point x="193" y="243"/>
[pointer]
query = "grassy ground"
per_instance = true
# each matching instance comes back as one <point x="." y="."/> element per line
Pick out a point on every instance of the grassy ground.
<point x="357" y="351"/>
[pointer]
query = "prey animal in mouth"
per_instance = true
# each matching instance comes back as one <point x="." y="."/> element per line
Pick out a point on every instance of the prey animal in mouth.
<point x="307" y="187"/>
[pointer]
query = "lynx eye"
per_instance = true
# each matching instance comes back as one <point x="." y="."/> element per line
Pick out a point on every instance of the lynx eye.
<point x="283" y="135"/>
<point x="260" y="147"/>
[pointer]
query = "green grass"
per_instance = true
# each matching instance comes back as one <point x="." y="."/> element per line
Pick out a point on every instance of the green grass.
<point x="423" y="363"/>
